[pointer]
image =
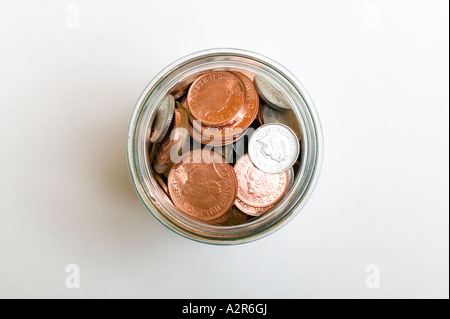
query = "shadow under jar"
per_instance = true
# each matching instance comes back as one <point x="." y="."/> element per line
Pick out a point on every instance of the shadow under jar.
<point x="174" y="79"/>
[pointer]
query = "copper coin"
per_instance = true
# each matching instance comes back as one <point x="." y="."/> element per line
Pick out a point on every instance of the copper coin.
<point x="224" y="135"/>
<point x="244" y="118"/>
<point x="216" y="98"/>
<point x="236" y="217"/>
<point x="251" y="210"/>
<point x="257" y="188"/>
<point x="222" y="219"/>
<point x="213" y="140"/>
<point x="202" y="185"/>
<point x="161" y="183"/>
<point x="173" y="143"/>
<point x="164" y="193"/>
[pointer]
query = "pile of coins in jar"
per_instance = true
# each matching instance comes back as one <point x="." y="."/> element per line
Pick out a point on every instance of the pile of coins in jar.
<point x="224" y="147"/>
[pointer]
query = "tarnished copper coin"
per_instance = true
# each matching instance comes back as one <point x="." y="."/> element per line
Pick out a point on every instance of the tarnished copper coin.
<point x="251" y="210"/>
<point x="161" y="183"/>
<point x="203" y="185"/>
<point x="216" y="98"/>
<point x="257" y="188"/>
<point x="221" y="220"/>
<point x="236" y="217"/>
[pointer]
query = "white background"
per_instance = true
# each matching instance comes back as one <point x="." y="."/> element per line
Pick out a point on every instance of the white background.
<point x="377" y="71"/>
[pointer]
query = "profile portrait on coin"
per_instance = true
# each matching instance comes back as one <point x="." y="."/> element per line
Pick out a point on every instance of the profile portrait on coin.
<point x="214" y="101"/>
<point x="257" y="182"/>
<point x="273" y="148"/>
<point x="201" y="186"/>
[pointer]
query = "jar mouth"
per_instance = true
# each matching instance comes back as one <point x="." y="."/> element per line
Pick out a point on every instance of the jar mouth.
<point x="138" y="145"/>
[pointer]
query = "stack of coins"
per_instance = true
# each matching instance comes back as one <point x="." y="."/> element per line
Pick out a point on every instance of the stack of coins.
<point x="222" y="105"/>
<point x="216" y="109"/>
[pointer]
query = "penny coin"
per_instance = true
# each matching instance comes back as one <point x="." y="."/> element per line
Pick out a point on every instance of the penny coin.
<point x="257" y="188"/>
<point x="274" y="148"/>
<point x="251" y="210"/>
<point x="164" y="193"/>
<point x="268" y="114"/>
<point x="214" y="140"/>
<point x="161" y="183"/>
<point x="243" y="120"/>
<point x="236" y="217"/>
<point x="202" y="185"/>
<point x="271" y="94"/>
<point x="173" y="144"/>
<point x="216" y="98"/>
<point x="221" y="219"/>
<point x="251" y="105"/>
<point x="162" y="119"/>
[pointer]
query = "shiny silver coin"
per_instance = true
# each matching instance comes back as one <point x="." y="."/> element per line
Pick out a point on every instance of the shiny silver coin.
<point x="162" y="119"/>
<point x="271" y="94"/>
<point x="274" y="148"/>
<point x="271" y="115"/>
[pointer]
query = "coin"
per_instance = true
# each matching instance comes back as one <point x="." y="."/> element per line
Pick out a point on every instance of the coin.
<point x="222" y="219"/>
<point x="182" y="87"/>
<point x="164" y="193"/>
<point x="161" y="183"/>
<point x="152" y="153"/>
<point x="173" y="143"/>
<point x="231" y="132"/>
<point x="216" y="98"/>
<point x="251" y="106"/>
<point x="162" y="119"/>
<point x="236" y="217"/>
<point x="256" y="188"/>
<point x="207" y="138"/>
<point x="273" y="148"/>
<point x="268" y="114"/>
<point x="271" y="94"/>
<point x="202" y="185"/>
<point x="251" y="210"/>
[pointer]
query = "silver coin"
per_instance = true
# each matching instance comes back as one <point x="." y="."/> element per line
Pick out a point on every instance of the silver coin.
<point x="274" y="148"/>
<point x="271" y="115"/>
<point x="162" y="119"/>
<point x="271" y="94"/>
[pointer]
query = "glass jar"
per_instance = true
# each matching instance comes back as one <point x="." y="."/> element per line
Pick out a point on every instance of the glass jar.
<point x="175" y="75"/>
